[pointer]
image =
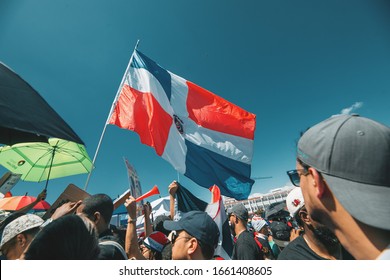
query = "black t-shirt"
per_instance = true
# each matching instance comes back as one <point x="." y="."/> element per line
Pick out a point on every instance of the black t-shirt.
<point x="246" y="248"/>
<point x="298" y="250"/>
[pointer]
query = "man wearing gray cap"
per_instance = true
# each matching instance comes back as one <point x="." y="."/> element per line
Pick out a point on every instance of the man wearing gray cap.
<point x="245" y="247"/>
<point x="343" y="168"/>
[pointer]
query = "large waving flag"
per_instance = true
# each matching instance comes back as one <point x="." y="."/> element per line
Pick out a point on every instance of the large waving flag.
<point x="186" y="202"/>
<point x="203" y="136"/>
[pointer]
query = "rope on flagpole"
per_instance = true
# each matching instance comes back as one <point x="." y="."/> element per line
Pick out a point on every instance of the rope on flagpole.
<point x="109" y="115"/>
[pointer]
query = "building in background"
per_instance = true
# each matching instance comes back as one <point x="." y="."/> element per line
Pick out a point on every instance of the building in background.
<point x="259" y="201"/>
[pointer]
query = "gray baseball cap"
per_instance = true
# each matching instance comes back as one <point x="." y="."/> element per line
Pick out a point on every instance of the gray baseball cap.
<point x="353" y="155"/>
<point x="240" y="211"/>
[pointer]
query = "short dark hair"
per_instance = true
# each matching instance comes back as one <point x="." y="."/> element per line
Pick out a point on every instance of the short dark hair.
<point x="207" y="250"/>
<point x="304" y="165"/>
<point x="298" y="219"/>
<point x="158" y="224"/>
<point x="101" y="203"/>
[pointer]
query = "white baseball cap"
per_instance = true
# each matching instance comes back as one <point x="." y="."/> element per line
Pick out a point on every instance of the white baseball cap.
<point x="295" y="201"/>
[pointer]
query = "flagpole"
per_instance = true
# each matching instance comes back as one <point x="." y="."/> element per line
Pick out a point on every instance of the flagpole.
<point x="109" y="115"/>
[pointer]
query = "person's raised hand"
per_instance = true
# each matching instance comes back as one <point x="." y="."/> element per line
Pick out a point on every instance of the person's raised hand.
<point x="172" y="188"/>
<point x="147" y="209"/>
<point x="66" y="209"/>
<point x="131" y="207"/>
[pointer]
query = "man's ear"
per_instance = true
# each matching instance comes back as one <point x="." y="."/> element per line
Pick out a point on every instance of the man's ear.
<point x="318" y="183"/>
<point x="304" y="216"/>
<point x="21" y="239"/>
<point x="192" y="245"/>
<point x="96" y="217"/>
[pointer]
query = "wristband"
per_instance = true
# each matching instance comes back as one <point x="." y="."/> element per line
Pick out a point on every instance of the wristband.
<point x="48" y="221"/>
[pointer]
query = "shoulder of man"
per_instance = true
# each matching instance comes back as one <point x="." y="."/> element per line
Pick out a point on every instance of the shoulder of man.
<point x="247" y="247"/>
<point x="298" y="250"/>
<point x="111" y="249"/>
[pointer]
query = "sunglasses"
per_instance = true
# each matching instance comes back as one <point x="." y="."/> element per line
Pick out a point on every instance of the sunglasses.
<point x="295" y="176"/>
<point x="175" y="237"/>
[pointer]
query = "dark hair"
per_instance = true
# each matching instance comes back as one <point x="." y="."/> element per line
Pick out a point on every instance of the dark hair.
<point x="101" y="203"/>
<point x="158" y="224"/>
<point x="156" y="254"/>
<point x="70" y="237"/>
<point x="119" y="234"/>
<point x="32" y="231"/>
<point x="207" y="250"/>
<point x="166" y="253"/>
<point x="298" y="219"/>
<point x="304" y="165"/>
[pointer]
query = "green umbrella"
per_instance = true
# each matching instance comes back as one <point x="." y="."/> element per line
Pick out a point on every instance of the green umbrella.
<point x="39" y="161"/>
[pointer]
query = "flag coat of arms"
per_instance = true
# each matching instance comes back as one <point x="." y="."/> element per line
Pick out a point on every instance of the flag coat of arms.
<point x="203" y="136"/>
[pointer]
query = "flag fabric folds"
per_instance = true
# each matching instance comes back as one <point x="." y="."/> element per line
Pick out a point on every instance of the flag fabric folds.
<point x="203" y="136"/>
<point x="186" y="202"/>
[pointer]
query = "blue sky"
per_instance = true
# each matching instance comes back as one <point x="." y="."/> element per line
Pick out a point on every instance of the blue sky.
<point x="292" y="63"/>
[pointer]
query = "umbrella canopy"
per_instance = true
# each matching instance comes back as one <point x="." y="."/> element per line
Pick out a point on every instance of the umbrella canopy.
<point x="25" y="116"/>
<point x="14" y="203"/>
<point x="43" y="161"/>
<point x="277" y="210"/>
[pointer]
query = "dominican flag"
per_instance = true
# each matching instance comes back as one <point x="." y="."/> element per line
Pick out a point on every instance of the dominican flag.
<point x="186" y="202"/>
<point x="203" y="136"/>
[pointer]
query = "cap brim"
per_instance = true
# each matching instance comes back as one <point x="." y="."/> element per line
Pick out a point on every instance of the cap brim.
<point x="7" y="238"/>
<point x="281" y="243"/>
<point x="172" y="225"/>
<point x="366" y="203"/>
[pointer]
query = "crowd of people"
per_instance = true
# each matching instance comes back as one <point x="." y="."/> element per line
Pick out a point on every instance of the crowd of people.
<point x="338" y="210"/>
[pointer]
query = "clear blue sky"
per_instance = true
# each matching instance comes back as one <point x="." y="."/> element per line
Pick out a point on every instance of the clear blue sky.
<point x="292" y="63"/>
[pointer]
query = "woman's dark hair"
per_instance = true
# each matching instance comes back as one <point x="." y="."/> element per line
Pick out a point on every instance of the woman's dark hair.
<point x="70" y="237"/>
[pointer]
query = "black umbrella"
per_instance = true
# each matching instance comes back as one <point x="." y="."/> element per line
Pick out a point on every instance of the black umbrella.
<point x="276" y="210"/>
<point x="25" y="116"/>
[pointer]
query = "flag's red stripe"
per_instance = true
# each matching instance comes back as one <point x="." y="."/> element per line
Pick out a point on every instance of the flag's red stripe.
<point x="141" y="112"/>
<point x="216" y="193"/>
<point x="213" y="112"/>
